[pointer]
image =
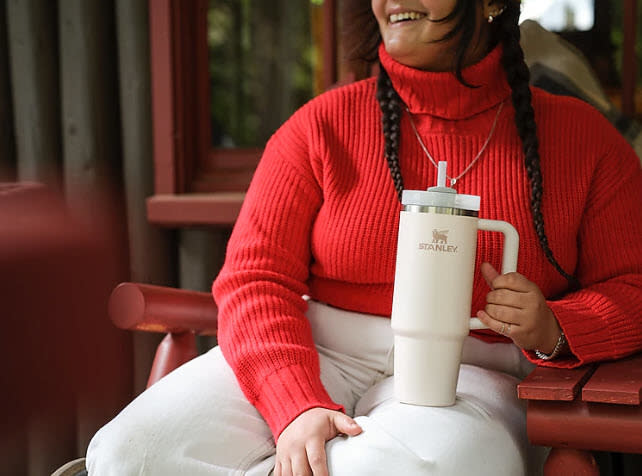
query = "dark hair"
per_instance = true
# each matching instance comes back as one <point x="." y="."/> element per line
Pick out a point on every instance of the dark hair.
<point x="362" y="32"/>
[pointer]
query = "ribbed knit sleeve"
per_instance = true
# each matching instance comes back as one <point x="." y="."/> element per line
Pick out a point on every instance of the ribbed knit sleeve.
<point x="263" y="332"/>
<point x="603" y="320"/>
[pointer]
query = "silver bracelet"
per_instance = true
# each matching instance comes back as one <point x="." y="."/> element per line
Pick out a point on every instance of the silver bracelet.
<point x="561" y="341"/>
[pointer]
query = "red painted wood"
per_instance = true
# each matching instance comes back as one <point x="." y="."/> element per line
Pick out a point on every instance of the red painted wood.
<point x="570" y="462"/>
<point x="162" y="84"/>
<point x="618" y="382"/>
<point x="233" y="159"/>
<point x="173" y="351"/>
<point x="223" y="181"/>
<point x="162" y="309"/>
<point x="194" y="209"/>
<point x="180" y="91"/>
<point x="545" y="383"/>
<point x="629" y="59"/>
<point x="585" y="425"/>
<point x="69" y="369"/>
<point x="202" y="88"/>
<point x="227" y="170"/>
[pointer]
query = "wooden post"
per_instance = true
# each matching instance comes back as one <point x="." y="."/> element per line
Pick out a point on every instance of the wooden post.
<point x="89" y="103"/>
<point x="150" y="257"/>
<point x="91" y="138"/>
<point x="34" y="74"/>
<point x="163" y="86"/>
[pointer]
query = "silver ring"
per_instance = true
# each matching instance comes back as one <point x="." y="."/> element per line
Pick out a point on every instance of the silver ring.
<point x="501" y="331"/>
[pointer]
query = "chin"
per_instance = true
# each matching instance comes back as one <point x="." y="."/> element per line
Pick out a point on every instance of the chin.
<point x="399" y="51"/>
<point x="407" y="58"/>
<point x="428" y="57"/>
<point x="419" y="54"/>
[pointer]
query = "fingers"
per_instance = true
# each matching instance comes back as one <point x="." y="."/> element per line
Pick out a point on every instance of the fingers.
<point x="509" y="315"/>
<point x="300" y="449"/>
<point x="517" y="308"/>
<point x="317" y="458"/>
<point x="511" y="281"/>
<point x="285" y="468"/>
<point x="506" y="297"/>
<point x="311" y="461"/>
<point x="307" y="461"/>
<point x="489" y="274"/>
<point x="300" y="465"/>
<point x="346" y="425"/>
<point x="501" y="327"/>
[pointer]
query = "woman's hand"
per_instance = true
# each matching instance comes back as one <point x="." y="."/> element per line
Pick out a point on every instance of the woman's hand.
<point x="301" y="446"/>
<point x="517" y="308"/>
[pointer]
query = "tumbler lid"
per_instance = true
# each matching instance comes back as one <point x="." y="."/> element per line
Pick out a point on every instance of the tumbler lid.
<point x="441" y="195"/>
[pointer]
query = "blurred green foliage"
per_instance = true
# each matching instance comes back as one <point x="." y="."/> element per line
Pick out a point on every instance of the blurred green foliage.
<point x="261" y="65"/>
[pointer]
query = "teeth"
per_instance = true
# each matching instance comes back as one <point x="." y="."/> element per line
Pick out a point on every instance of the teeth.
<point x="397" y="17"/>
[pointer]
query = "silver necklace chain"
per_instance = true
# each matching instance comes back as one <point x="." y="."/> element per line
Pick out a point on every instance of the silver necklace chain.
<point x="453" y="180"/>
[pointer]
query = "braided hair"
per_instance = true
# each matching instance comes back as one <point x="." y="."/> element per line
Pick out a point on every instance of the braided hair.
<point x="505" y="30"/>
<point x="390" y="104"/>
<point x="518" y="77"/>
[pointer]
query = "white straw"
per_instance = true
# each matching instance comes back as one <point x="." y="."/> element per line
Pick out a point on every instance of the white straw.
<point x="441" y="173"/>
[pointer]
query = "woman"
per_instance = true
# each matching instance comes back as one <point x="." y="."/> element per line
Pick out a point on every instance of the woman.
<point x="320" y="219"/>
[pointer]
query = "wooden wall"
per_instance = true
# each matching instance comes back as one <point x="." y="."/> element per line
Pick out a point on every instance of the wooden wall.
<point x="75" y="115"/>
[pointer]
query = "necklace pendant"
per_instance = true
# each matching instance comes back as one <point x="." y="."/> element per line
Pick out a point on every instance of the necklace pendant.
<point x="453" y="181"/>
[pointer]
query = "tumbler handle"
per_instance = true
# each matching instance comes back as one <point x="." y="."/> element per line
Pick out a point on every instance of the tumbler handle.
<point x="509" y="256"/>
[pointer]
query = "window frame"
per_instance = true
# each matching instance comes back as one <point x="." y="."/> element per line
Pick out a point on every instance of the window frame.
<point x="194" y="183"/>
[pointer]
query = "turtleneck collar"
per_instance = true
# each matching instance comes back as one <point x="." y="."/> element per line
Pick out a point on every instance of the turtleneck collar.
<point x="441" y="94"/>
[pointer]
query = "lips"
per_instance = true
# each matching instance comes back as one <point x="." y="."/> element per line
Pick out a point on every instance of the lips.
<point x="405" y="16"/>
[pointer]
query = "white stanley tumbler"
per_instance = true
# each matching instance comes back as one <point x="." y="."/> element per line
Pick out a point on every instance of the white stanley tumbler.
<point x="431" y="304"/>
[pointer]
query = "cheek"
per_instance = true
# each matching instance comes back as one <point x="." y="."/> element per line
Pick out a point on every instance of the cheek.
<point x="439" y="8"/>
<point x="378" y="9"/>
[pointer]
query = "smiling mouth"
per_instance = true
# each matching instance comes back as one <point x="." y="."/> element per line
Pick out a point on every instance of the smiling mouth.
<point x="405" y="16"/>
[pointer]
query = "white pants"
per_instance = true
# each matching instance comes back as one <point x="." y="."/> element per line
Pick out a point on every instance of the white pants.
<point x="196" y="421"/>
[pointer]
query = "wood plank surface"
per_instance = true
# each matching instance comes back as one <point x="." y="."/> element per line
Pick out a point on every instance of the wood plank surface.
<point x="194" y="209"/>
<point x="546" y="383"/>
<point x="617" y="382"/>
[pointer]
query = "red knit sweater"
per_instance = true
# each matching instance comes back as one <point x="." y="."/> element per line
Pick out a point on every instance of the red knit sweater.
<point x="321" y="218"/>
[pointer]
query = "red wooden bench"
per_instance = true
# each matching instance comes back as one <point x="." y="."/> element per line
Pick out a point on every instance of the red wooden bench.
<point x="596" y="407"/>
